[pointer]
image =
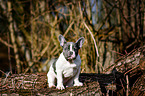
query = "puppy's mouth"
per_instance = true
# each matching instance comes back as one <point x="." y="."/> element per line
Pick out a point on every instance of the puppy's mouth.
<point x="71" y="58"/>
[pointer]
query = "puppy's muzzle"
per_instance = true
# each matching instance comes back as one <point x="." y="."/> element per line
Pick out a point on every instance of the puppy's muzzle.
<point x="70" y="53"/>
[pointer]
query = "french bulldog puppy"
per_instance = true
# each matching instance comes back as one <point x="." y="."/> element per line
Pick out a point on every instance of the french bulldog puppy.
<point x="66" y="69"/>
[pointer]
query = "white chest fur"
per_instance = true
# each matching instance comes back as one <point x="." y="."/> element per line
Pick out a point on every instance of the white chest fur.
<point x="68" y="69"/>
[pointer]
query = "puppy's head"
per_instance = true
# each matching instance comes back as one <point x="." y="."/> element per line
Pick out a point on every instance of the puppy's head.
<point x="70" y="49"/>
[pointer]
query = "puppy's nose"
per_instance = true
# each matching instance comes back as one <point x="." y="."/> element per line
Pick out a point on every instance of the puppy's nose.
<point x="70" y="53"/>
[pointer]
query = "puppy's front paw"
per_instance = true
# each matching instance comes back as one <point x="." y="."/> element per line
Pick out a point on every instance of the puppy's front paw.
<point x="51" y="85"/>
<point x="61" y="87"/>
<point x="78" y="84"/>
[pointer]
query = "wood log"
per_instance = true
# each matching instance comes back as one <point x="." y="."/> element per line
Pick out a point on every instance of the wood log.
<point x="115" y="83"/>
<point x="37" y="83"/>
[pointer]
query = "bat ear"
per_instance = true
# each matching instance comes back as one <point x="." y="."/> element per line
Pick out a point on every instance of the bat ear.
<point x="80" y="42"/>
<point x="62" y="40"/>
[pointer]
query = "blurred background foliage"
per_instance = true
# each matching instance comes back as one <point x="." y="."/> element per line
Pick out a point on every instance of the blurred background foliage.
<point x="29" y="31"/>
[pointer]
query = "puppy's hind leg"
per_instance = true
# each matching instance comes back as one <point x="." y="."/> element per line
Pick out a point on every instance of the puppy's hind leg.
<point x="76" y="79"/>
<point x="51" y="79"/>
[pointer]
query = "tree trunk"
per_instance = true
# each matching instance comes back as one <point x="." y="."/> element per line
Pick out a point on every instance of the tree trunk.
<point x="13" y="37"/>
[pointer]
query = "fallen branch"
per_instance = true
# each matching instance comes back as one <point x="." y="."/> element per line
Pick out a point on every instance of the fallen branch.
<point x="5" y="43"/>
<point x="92" y="38"/>
<point x="127" y="86"/>
<point x="89" y="31"/>
<point x="68" y="28"/>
